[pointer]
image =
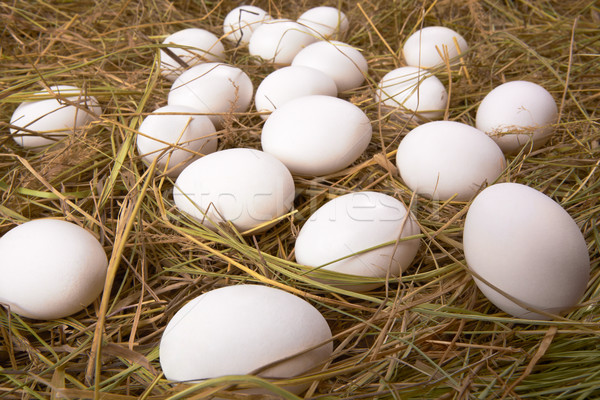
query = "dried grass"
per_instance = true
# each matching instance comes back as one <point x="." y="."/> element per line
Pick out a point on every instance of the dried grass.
<point x="430" y="334"/>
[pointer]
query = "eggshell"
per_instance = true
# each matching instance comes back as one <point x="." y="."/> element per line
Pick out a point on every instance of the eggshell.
<point x="277" y="41"/>
<point x="214" y="89"/>
<point x="236" y="330"/>
<point x="171" y="126"/>
<point x="193" y="46"/>
<point x="240" y="23"/>
<point x="50" y="269"/>
<point x="342" y="62"/>
<point x="289" y="83"/>
<point x="46" y="119"/>
<point x="442" y="158"/>
<point x="522" y="242"/>
<point x="245" y="186"/>
<point x="421" y="48"/>
<point x="518" y="114"/>
<point x="316" y="135"/>
<point x="351" y="224"/>
<point x="327" y="22"/>
<point x="413" y="90"/>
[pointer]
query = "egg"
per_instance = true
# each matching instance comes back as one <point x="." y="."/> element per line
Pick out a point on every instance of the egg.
<point x="288" y="83"/>
<point x="246" y="187"/>
<point x="342" y="62"/>
<point x="192" y="46"/>
<point x="50" y="269"/>
<point x="446" y="159"/>
<point x="47" y="117"/>
<point x="425" y="47"/>
<point x="279" y="40"/>
<point x="518" y="114"/>
<point x="237" y="330"/>
<point x="351" y="224"/>
<point x="316" y="135"/>
<point x="412" y="90"/>
<point x="171" y="126"/>
<point x="521" y="242"/>
<point x="327" y="22"/>
<point x="216" y="89"/>
<point x="240" y="23"/>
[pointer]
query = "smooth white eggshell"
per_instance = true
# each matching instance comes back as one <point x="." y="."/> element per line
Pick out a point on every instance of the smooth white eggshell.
<point x="288" y="83"/>
<point x="50" y="269"/>
<point x="316" y="135"/>
<point x="342" y="62"/>
<point x="236" y="330"/>
<point x="279" y="40"/>
<point x="193" y="46"/>
<point x="441" y="159"/>
<point x="214" y="89"/>
<point x="353" y="223"/>
<point x="525" y="244"/>
<point x="413" y="90"/>
<point x="327" y="22"/>
<point x="517" y="114"/>
<point x="244" y="186"/>
<point x="421" y="48"/>
<point x="175" y="125"/>
<point x="240" y="23"/>
<point x="50" y="118"/>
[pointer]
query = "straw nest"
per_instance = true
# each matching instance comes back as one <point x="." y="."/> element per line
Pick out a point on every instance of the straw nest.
<point x="429" y="334"/>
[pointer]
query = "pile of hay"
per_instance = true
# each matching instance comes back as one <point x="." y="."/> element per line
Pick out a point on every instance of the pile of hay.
<point x="430" y="334"/>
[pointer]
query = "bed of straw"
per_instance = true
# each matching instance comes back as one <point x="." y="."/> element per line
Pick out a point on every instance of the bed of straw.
<point x="427" y="335"/>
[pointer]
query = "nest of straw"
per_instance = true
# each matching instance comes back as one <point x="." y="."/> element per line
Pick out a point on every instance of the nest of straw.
<point x="428" y="334"/>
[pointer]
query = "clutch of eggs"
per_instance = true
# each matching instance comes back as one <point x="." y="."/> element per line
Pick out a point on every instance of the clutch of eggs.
<point x="239" y="329"/>
<point x="47" y="117"/>
<point x="528" y="255"/>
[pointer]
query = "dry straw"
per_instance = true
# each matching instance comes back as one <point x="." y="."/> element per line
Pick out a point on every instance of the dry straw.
<point x="429" y="334"/>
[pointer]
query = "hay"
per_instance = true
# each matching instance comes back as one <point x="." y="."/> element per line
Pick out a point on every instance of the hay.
<point x="430" y="334"/>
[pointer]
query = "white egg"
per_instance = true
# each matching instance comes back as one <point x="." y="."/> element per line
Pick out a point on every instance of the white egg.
<point x="193" y="46"/>
<point x="170" y="126"/>
<point x="342" y="62"/>
<point x="288" y="83"/>
<point x="425" y="47"/>
<point x="50" y="269"/>
<point x="47" y="118"/>
<point x="279" y="40"/>
<point x="215" y="89"/>
<point x="239" y="329"/>
<point x="353" y="223"/>
<point x="518" y="114"/>
<point x="247" y="187"/>
<point x="413" y="90"/>
<point x="523" y="243"/>
<point x="240" y="23"/>
<point x="328" y="22"/>
<point x="442" y="159"/>
<point x="316" y="135"/>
